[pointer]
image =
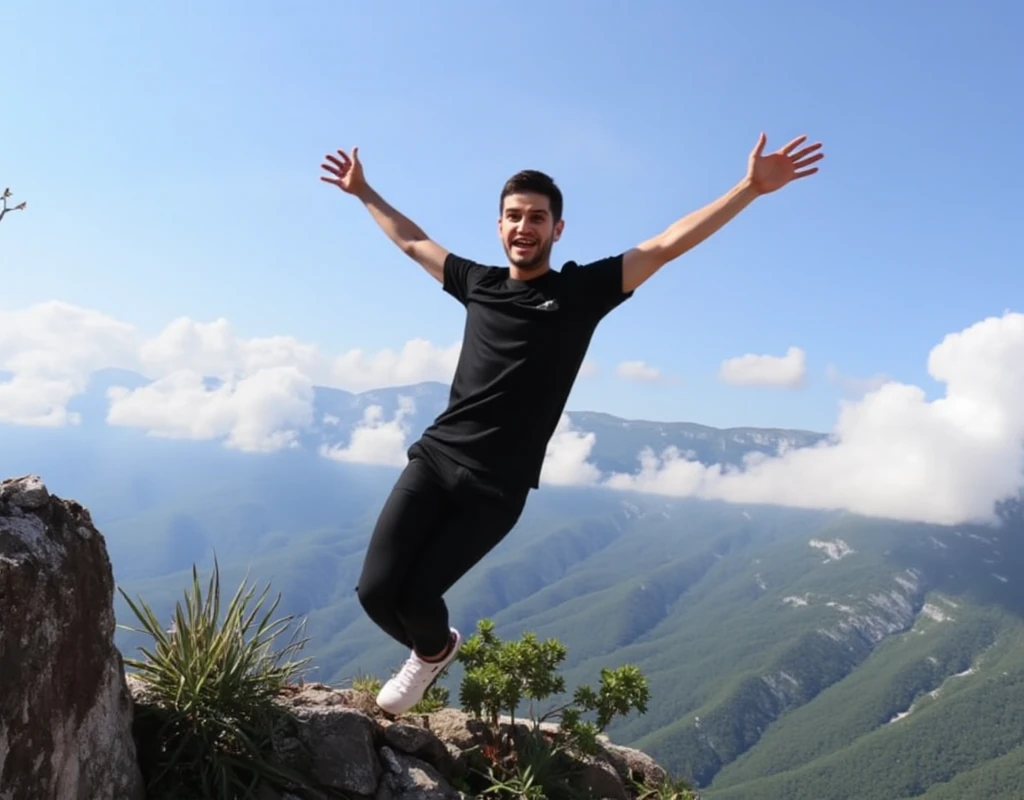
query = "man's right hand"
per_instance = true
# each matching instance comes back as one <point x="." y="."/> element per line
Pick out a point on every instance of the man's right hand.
<point x="346" y="173"/>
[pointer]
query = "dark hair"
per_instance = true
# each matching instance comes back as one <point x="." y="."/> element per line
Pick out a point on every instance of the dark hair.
<point x="533" y="182"/>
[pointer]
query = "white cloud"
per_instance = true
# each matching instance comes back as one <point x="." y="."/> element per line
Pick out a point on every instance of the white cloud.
<point x="214" y="349"/>
<point x="765" y="370"/>
<point x="376" y="440"/>
<point x="51" y="349"/>
<point x="419" y="360"/>
<point x="261" y="412"/>
<point x="27" y="399"/>
<point x="565" y="462"/>
<point x="638" y="371"/>
<point x="894" y="453"/>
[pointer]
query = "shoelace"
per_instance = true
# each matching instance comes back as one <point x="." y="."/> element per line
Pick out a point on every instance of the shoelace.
<point x="410" y="670"/>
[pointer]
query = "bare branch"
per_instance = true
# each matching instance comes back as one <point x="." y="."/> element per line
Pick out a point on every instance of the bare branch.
<point x="4" y="208"/>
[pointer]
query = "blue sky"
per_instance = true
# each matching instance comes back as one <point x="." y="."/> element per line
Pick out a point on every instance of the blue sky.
<point x="170" y="156"/>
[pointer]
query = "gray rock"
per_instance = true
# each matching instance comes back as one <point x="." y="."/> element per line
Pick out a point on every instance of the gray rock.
<point x="27" y="492"/>
<point x="602" y="780"/>
<point x="409" y="778"/>
<point x="65" y="711"/>
<point x="459" y="729"/>
<point x="333" y="744"/>
<point x="634" y="765"/>
<point x="416" y="741"/>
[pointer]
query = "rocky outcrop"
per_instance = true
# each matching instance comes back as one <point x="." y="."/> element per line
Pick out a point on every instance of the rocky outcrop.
<point x="346" y="747"/>
<point x="65" y="709"/>
<point x="345" y="744"/>
<point x="69" y="727"/>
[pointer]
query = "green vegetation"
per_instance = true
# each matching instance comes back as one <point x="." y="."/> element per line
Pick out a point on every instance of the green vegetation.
<point x="541" y="762"/>
<point x="712" y="602"/>
<point x="209" y="714"/>
<point x="500" y="674"/>
<point x="928" y="748"/>
<point x="998" y="779"/>
<point x="900" y="675"/>
<point x="211" y="687"/>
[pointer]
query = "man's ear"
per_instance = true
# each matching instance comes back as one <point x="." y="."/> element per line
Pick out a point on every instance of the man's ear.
<point x="559" y="227"/>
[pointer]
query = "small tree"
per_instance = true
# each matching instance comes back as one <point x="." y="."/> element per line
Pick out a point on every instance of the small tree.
<point x="500" y="675"/>
<point x="4" y="208"/>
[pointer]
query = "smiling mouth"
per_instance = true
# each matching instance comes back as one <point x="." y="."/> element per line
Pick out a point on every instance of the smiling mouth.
<point x="523" y="244"/>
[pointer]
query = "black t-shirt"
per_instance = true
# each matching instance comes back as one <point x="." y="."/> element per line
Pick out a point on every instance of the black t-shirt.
<point x="522" y="348"/>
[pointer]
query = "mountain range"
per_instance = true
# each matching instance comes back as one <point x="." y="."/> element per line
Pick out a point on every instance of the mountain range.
<point x="792" y="653"/>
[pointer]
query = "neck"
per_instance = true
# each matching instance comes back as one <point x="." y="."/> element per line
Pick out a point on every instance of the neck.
<point x="518" y="274"/>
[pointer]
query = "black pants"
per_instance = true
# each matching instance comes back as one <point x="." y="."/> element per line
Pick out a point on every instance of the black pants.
<point x="438" y="522"/>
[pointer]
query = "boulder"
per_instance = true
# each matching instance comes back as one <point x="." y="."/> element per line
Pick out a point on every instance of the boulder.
<point x="65" y="708"/>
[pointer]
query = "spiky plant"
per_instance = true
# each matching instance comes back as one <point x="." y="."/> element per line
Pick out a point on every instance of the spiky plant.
<point x="669" y="789"/>
<point x="212" y="684"/>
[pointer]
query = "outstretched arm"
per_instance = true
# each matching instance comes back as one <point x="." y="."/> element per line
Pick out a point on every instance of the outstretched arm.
<point x="347" y="175"/>
<point x="764" y="174"/>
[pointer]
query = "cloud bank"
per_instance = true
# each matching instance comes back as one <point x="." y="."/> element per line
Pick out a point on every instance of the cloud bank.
<point x="260" y="413"/>
<point x="262" y="395"/>
<point x="894" y="451"/>
<point x="51" y="349"/>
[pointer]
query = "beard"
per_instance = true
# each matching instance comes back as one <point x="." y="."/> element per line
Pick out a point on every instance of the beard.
<point x="533" y="258"/>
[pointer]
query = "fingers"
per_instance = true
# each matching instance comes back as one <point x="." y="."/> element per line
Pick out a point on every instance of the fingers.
<point x="806" y="161"/>
<point x="806" y="151"/>
<point x="805" y="173"/>
<point x="759" y="147"/>
<point x="338" y="166"/>
<point x="339" y="170"/>
<point x="342" y="163"/>
<point x="793" y="145"/>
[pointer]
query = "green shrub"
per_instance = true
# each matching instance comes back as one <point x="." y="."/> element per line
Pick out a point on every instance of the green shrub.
<point x="500" y="675"/>
<point x="213" y="683"/>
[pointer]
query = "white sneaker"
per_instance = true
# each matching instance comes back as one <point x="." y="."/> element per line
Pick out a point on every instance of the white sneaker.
<point x="407" y="688"/>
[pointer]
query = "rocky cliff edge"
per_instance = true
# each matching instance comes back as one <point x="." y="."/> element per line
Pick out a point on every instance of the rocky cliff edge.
<point x="70" y="716"/>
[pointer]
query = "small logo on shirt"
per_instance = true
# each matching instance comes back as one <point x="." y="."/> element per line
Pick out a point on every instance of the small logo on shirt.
<point x="548" y="305"/>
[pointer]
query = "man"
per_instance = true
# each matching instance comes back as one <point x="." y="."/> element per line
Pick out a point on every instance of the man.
<point x="526" y="333"/>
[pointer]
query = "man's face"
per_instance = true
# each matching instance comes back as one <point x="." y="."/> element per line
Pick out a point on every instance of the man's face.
<point x="528" y="230"/>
